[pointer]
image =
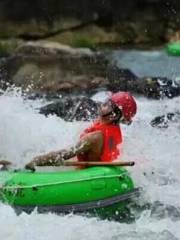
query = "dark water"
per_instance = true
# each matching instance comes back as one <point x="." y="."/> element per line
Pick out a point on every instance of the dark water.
<point x="148" y="63"/>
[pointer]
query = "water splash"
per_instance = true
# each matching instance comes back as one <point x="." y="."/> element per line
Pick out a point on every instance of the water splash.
<point x="25" y="133"/>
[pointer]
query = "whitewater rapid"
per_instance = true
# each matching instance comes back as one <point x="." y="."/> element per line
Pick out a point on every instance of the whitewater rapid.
<point x="24" y="133"/>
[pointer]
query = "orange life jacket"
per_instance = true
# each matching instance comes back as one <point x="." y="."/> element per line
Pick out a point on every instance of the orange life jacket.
<point x="112" y="138"/>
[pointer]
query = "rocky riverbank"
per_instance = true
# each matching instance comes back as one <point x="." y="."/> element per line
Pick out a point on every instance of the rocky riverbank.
<point x="55" y="47"/>
<point x="49" y="69"/>
<point x="88" y="23"/>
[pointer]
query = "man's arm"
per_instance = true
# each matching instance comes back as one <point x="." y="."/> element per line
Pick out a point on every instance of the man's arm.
<point x="56" y="158"/>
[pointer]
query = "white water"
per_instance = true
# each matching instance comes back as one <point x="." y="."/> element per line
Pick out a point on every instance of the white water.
<point x="24" y="133"/>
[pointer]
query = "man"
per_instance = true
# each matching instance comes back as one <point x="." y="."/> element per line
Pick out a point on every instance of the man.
<point x="101" y="141"/>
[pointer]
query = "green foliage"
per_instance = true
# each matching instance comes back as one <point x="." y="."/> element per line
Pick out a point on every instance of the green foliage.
<point x="7" y="47"/>
<point x="82" y="42"/>
<point x="3" y="50"/>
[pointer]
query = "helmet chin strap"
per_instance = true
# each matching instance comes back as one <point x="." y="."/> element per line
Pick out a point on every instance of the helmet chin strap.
<point x="117" y="114"/>
<point x="107" y="114"/>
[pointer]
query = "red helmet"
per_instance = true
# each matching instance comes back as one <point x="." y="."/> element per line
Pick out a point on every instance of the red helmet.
<point x="126" y="103"/>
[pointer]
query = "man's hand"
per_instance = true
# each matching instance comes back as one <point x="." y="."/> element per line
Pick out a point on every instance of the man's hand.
<point x="50" y="159"/>
<point x="57" y="158"/>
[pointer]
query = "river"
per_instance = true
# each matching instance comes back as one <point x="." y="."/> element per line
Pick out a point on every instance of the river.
<point x="25" y="133"/>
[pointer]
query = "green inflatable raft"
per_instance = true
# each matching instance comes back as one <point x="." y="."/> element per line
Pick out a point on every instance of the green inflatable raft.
<point x="100" y="189"/>
<point x="173" y="48"/>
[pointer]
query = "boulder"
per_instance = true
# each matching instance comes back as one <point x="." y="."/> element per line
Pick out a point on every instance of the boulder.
<point x="158" y="87"/>
<point x="72" y="108"/>
<point x="52" y="68"/>
<point x="163" y="121"/>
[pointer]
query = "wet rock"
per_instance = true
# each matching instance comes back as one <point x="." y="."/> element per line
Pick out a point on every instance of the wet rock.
<point x="164" y="120"/>
<point x="49" y="68"/>
<point x="52" y="68"/>
<point x="158" y="87"/>
<point x="72" y="108"/>
<point x="121" y="79"/>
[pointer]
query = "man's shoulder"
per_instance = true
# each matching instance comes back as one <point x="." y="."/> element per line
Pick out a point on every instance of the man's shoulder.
<point x="93" y="135"/>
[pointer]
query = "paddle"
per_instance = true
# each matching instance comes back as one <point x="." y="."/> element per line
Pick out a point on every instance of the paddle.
<point x="74" y="163"/>
<point x="84" y="164"/>
<point x="5" y="164"/>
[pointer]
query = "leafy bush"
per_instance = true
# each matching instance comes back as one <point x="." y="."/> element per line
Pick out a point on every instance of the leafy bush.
<point x="7" y="47"/>
<point x="82" y="42"/>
